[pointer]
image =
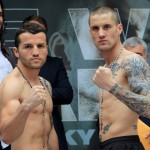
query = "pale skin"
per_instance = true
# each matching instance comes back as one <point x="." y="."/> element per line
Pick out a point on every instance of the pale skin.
<point x="139" y="49"/>
<point x="121" y="101"/>
<point x="23" y="123"/>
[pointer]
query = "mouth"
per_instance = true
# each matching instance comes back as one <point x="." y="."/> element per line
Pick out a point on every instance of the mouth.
<point x="102" y="42"/>
<point x="36" y="59"/>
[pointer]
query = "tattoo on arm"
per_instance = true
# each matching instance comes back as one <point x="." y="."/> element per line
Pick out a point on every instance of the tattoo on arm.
<point x="48" y="86"/>
<point x="113" y="89"/>
<point x="138" y="75"/>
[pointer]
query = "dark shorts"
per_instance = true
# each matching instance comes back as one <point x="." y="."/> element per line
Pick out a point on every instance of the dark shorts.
<point x="122" y="143"/>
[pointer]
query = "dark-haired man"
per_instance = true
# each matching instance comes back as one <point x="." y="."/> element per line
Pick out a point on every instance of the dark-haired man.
<point x="25" y="97"/>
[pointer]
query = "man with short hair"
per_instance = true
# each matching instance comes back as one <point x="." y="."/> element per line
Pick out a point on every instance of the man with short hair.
<point x="123" y="84"/>
<point x="54" y="71"/>
<point x="25" y="98"/>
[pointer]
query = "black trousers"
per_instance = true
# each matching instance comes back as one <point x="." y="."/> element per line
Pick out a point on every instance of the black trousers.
<point x="122" y="143"/>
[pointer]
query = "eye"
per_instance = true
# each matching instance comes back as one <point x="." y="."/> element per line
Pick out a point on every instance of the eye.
<point x="40" y="46"/>
<point x="95" y="28"/>
<point x="106" y="27"/>
<point x="28" y="46"/>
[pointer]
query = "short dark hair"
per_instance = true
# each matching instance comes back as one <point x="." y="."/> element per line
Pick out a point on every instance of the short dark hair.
<point x="39" y="19"/>
<point x="103" y="10"/>
<point x="32" y="28"/>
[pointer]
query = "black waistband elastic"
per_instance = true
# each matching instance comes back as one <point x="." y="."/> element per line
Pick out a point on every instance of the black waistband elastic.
<point x="130" y="138"/>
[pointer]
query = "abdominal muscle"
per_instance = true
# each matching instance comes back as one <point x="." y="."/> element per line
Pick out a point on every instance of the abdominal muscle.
<point x="33" y="137"/>
<point x="118" y="119"/>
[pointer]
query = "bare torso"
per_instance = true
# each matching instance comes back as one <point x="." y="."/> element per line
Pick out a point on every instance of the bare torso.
<point x="36" y="131"/>
<point x="35" y="135"/>
<point x="117" y="118"/>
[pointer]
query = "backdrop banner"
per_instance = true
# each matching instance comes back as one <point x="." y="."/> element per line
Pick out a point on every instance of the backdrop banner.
<point x="69" y="38"/>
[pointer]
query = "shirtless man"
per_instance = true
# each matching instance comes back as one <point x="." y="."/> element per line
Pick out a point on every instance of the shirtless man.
<point x="123" y="82"/>
<point x="25" y="99"/>
<point x="139" y="46"/>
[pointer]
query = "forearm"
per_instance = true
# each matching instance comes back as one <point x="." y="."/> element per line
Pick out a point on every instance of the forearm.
<point x="12" y="127"/>
<point x="137" y="103"/>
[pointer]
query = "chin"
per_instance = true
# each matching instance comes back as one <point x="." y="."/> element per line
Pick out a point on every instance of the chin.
<point x="36" y="67"/>
<point x="104" y="49"/>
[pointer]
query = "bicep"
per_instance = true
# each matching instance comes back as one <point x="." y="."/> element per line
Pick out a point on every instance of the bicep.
<point x="9" y="101"/>
<point x="138" y="74"/>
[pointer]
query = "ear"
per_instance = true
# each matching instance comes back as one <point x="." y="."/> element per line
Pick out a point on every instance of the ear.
<point x="15" y="50"/>
<point x="120" y="28"/>
<point x="57" y="45"/>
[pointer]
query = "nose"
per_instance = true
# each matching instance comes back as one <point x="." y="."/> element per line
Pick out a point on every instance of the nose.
<point x="101" y="33"/>
<point x="35" y="51"/>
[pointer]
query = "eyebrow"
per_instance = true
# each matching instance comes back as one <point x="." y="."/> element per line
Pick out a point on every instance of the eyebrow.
<point x="33" y="44"/>
<point x="139" y="53"/>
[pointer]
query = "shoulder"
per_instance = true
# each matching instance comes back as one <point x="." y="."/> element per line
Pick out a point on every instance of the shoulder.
<point x="11" y="87"/>
<point x="11" y="81"/>
<point x="131" y="59"/>
<point x="47" y="84"/>
<point x="134" y="65"/>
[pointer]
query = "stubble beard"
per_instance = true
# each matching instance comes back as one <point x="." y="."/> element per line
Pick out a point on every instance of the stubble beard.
<point x="28" y="63"/>
<point x="103" y="49"/>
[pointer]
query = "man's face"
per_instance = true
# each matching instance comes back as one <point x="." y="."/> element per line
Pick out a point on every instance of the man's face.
<point x="104" y="31"/>
<point x="1" y="17"/>
<point x="32" y="50"/>
<point x="139" y="49"/>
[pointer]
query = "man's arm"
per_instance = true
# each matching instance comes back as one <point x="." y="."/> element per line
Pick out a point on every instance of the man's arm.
<point x="14" y="111"/>
<point x="12" y="126"/>
<point x="138" y="74"/>
<point x="13" y="115"/>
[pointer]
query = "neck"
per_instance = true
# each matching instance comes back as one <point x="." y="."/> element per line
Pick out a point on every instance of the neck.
<point x="110" y="55"/>
<point x="28" y="81"/>
<point x="31" y="74"/>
